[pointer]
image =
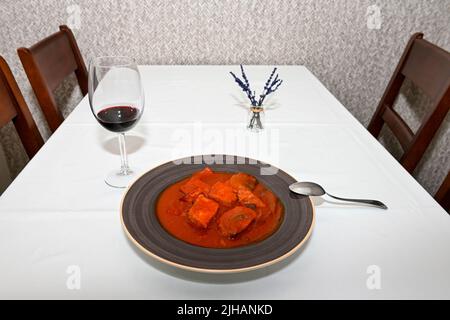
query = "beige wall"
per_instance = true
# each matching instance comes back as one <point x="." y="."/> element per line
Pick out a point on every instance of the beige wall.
<point x="336" y="40"/>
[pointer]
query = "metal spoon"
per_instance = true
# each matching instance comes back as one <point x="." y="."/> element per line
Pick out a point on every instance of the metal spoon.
<point x="313" y="189"/>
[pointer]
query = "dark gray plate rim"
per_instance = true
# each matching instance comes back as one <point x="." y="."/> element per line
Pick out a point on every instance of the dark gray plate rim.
<point x="297" y="240"/>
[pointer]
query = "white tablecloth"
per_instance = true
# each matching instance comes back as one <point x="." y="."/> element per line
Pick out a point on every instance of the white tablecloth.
<point x="59" y="216"/>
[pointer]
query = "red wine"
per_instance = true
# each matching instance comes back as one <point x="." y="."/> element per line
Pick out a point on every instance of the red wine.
<point x="118" y="118"/>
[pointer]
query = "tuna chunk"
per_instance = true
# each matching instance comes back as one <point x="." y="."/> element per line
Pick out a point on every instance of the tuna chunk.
<point x="202" y="211"/>
<point x="242" y="180"/>
<point x="269" y="199"/>
<point x="193" y="188"/>
<point x="223" y="193"/>
<point x="236" y="220"/>
<point x="204" y="173"/>
<point x="246" y="197"/>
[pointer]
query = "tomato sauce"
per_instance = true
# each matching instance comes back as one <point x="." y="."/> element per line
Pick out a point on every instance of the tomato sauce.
<point x="174" y="209"/>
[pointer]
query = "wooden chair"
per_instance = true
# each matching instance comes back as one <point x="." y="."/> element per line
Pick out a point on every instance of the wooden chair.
<point x="47" y="64"/>
<point x="14" y="108"/>
<point x="428" y="67"/>
<point x="443" y="194"/>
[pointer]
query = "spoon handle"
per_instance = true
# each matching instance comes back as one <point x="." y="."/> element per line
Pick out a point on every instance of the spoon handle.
<point x="375" y="203"/>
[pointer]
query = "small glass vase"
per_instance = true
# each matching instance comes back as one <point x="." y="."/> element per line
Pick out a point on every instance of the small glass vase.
<point x="256" y="119"/>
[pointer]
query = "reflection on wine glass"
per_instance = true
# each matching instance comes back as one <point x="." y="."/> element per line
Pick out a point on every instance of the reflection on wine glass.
<point x="116" y="98"/>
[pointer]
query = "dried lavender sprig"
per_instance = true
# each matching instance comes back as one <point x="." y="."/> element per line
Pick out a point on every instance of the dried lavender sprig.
<point x="270" y="87"/>
<point x="274" y="86"/>
<point x="245" y="88"/>
<point x="270" y="78"/>
<point x="261" y="100"/>
<point x="279" y="84"/>
<point x="244" y="76"/>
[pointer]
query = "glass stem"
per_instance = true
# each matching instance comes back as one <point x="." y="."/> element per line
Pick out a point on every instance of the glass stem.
<point x="124" y="168"/>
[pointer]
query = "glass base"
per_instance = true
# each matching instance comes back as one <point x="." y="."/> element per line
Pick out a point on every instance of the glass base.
<point x="256" y="119"/>
<point x="254" y="129"/>
<point x="117" y="179"/>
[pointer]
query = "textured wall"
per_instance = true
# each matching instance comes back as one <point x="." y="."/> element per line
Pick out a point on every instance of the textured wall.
<point x="339" y="41"/>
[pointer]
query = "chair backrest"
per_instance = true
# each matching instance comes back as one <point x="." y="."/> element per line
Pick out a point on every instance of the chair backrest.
<point x="428" y="67"/>
<point x="47" y="64"/>
<point x="14" y="108"/>
<point x="443" y="194"/>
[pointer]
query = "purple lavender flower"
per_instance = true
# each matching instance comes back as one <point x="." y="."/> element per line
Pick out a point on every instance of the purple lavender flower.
<point x="269" y="87"/>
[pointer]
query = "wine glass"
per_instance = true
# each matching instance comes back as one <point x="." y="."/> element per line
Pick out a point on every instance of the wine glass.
<point x="116" y="98"/>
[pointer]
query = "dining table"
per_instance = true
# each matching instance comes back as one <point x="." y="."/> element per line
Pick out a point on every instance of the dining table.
<point x="61" y="235"/>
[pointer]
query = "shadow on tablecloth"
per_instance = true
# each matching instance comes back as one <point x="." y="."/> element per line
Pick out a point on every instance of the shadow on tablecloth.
<point x="217" y="278"/>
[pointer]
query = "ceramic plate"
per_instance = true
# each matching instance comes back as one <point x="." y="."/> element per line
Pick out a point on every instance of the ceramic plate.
<point x="143" y="228"/>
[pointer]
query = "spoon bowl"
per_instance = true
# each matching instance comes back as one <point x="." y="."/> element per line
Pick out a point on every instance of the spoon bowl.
<point x="313" y="189"/>
<point x="307" y="189"/>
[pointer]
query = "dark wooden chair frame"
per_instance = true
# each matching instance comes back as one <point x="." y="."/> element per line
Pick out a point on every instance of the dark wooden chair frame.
<point x="428" y="67"/>
<point x="14" y="108"/>
<point x="47" y="64"/>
